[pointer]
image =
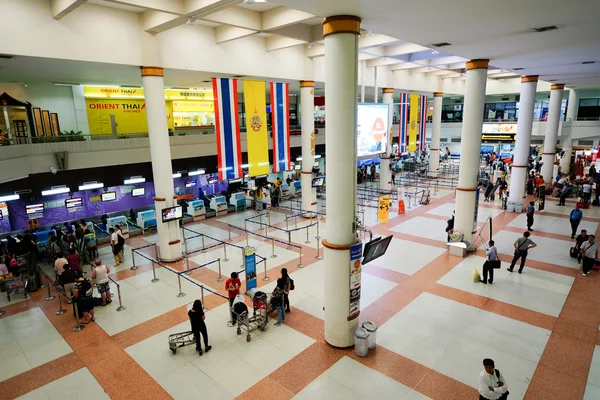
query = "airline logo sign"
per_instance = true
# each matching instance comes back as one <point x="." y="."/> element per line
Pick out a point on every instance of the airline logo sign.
<point x="92" y="91"/>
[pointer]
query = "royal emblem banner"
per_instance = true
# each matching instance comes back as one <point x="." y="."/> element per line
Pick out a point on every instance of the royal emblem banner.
<point x="412" y="129"/>
<point x="280" y="125"/>
<point x="257" y="137"/>
<point x="227" y="128"/>
<point x="403" y="124"/>
<point x="423" y="122"/>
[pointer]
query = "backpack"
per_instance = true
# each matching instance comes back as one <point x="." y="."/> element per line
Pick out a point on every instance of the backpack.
<point x="498" y="376"/>
<point x="13" y="262"/>
<point x="120" y="240"/>
<point x="292" y="286"/>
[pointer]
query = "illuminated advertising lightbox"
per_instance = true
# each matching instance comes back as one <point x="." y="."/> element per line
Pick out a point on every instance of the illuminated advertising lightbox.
<point x="34" y="209"/>
<point x="372" y="129"/>
<point x="109" y="196"/>
<point x="138" y="192"/>
<point x="76" y="202"/>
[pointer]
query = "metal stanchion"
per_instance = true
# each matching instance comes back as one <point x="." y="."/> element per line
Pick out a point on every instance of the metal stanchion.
<point x="121" y="306"/>
<point x="156" y="252"/>
<point x="289" y="240"/>
<point x="265" y="278"/>
<point x="61" y="310"/>
<point x="202" y="298"/>
<point x="43" y="285"/>
<point x="296" y="221"/>
<point x="300" y="265"/>
<point x="154" y="273"/>
<point x="229" y="230"/>
<point x="260" y="222"/>
<point x="273" y="255"/>
<point x="318" y="237"/>
<point x="203" y="246"/>
<point x="225" y="253"/>
<point x="78" y="327"/>
<point x="318" y="256"/>
<point x="180" y="294"/>
<point x="133" y="267"/>
<point x="187" y="265"/>
<point x="220" y="277"/>
<point x="307" y="240"/>
<point x="287" y="219"/>
<point x="243" y="256"/>
<point x="50" y="297"/>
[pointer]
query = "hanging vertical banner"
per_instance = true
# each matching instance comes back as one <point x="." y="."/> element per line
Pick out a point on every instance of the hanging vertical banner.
<point x="355" y="272"/>
<point x="280" y="126"/>
<point x="250" y="267"/>
<point x="414" y="116"/>
<point x="257" y="139"/>
<point x="227" y="128"/>
<point x="403" y="124"/>
<point x="423" y="123"/>
<point x="476" y="212"/>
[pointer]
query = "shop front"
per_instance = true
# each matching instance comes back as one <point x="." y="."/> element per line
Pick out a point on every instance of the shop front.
<point x="498" y="138"/>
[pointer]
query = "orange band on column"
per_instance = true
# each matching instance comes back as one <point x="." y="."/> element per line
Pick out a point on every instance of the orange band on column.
<point x="387" y="90"/>
<point x="529" y="78"/>
<point x="341" y="24"/>
<point x="159" y="199"/>
<point x="478" y="64"/>
<point x="152" y="71"/>
<point x="519" y="166"/>
<point x="438" y="94"/>
<point x="466" y="189"/>
<point x="335" y="246"/>
<point x="307" y="83"/>
<point x="557" y="86"/>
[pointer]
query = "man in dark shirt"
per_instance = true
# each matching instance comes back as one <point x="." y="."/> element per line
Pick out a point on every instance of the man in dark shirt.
<point x="581" y="239"/>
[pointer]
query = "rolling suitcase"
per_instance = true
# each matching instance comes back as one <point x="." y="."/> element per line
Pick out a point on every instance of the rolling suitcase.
<point x="573" y="252"/>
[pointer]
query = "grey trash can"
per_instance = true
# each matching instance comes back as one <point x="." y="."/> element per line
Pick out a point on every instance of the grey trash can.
<point x="511" y="206"/>
<point x="519" y="207"/>
<point x="361" y="342"/>
<point x="371" y="329"/>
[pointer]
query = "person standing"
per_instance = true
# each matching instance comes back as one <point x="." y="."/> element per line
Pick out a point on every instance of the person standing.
<point x="288" y="285"/>
<point x="100" y="278"/>
<point x="59" y="265"/>
<point x="83" y="295"/>
<point x="488" y="267"/>
<point x="521" y="245"/>
<point x="575" y="219"/>
<point x="75" y="261"/>
<point x="197" y="317"/>
<point x="581" y="239"/>
<point x="117" y="246"/>
<point x="232" y="285"/>
<point x="589" y="251"/>
<point x="564" y="192"/>
<point x="530" y="212"/>
<point x="587" y="192"/>
<point x="492" y="385"/>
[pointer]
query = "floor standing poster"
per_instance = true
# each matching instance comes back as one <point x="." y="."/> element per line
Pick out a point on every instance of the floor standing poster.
<point x="355" y="270"/>
<point x="250" y="267"/>
<point x="384" y="209"/>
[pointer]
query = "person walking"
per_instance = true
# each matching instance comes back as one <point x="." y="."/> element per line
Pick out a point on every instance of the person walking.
<point x="288" y="285"/>
<point x="278" y="299"/>
<point x="521" y="245"/>
<point x="581" y="239"/>
<point x="564" y="192"/>
<point x="232" y="285"/>
<point x="492" y="385"/>
<point x="530" y="212"/>
<point x="197" y="317"/>
<point x="589" y="251"/>
<point x="117" y="242"/>
<point x="575" y="219"/>
<point x="488" y="266"/>
<point x="100" y="278"/>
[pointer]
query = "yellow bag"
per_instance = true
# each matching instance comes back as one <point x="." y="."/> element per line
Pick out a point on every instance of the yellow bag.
<point x="475" y="277"/>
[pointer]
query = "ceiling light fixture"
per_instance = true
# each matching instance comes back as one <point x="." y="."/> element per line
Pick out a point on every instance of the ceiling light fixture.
<point x="545" y="29"/>
<point x="435" y="51"/>
<point x="370" y="34"/>
<point x="311" y="45"/>
<point x="177" y="175"/>
<point x="134" y="180"/>
<point x="199" y="172"/>
<point x="191" y="20"/>
<point x="9" y="197"/>
<point x="518" y="69"/>
<point x="56" y="190"/>
<point x="441" y="44"/>
<point x="91" y="185"/>
<point x="65" y="84"/>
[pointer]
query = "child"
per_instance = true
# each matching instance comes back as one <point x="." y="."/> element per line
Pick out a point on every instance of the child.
<point x="504" y="199"/>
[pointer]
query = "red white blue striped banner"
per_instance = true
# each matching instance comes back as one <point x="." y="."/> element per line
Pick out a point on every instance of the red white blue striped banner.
<point x="423" y="123"/>
<point x="280" y="125"/>
<point x="403" y="124"/>
<point x="227" y="128"/>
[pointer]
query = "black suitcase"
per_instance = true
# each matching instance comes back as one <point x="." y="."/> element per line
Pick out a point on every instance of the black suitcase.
<point x="574" y="252"/>
<point x="33" y="283"/>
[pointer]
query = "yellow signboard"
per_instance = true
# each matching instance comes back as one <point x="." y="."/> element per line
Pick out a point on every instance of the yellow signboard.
<point x="138" y="93"/>
<point x="129" y="116"/>
<point x="256" y="123"/>
<point x="193" y="106"/>
<point x="412" y="124"/>
<point x="184" y="94"/>
<point x="383" y="209"/>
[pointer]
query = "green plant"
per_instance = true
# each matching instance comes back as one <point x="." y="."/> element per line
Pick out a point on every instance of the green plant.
<point x="70" y="133"/>
<point x="123" y="137"/>
<point x="181" y="134"/>
<point x="205" y="132"/>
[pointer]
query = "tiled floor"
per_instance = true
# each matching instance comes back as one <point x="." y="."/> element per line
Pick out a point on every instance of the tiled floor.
<point x="435" y="324"/>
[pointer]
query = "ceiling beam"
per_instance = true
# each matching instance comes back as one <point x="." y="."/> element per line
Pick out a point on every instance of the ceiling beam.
<point x="60" y="8"/>
<point x="300" y="32"/>
<point x="168" y="6"/>
<point x="440" y="72"/>
<point x="226" y="33"/>
<point x="158" y="21"/>
<point x="420" y="70"/>
<point x="281" y="17"/>
<point x="382" y="61"/>
<point x="403" y="65"/>
<point x="403" y="48"/>
<point x="236" y="16"/>
<point x="278" y="42"/>
<point x="374" y="51"/>
<point x="365" y="41"/>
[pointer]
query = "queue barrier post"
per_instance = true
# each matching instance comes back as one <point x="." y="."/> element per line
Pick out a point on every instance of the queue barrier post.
<point x="133" y="267"/>
<point x="243" y="265"/>
<point x="287" y="219"/>
<point x="273" y="255"/>
<point x="180" y="294"/>
<point x="307" y="240"/>
<point x="187" y="265"/>
<point x="61" y="310"/>
<point x="246" y="232"/>
<point x="220" y="277"/>
<point x="229" y="232"/>
<point x="121" y="306"/>
<point x="318" y="256"/>
<point x="260" y="222"/>
<point x="78" y="327"/>
<point x="300" y="265"/>
<point x="289" y="240"/>
<point x="318" y="237"/>
<point x="49" y="297"/>
<point x="156" y="252"/>
<point x="202" y="297"/>
<point x="203" y="246"/>
<point x="225" y="253"/>
<point x="154" y="274"/>
<point x="266" y="277"/>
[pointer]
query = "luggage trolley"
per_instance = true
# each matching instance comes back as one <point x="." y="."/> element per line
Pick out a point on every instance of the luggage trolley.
<point x="259" y="318"/>
<point x="181" y="339"/>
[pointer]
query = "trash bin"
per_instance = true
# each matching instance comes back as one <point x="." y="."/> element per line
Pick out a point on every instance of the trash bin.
<point x="361" y="342"/>
<point x="511" y="206"/>
<point x="519" y="207"/>
<point x="371" y="329"/>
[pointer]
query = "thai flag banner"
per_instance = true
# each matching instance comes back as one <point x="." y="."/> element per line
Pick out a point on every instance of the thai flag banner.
<point x="280" y="117"/>
<point x="402" y="126"/>
<point x="227" y="128"/>
<point x="423" y="123"/>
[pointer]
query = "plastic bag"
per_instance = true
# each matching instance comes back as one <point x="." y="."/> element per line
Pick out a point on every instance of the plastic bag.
<point x="475" y="277"/>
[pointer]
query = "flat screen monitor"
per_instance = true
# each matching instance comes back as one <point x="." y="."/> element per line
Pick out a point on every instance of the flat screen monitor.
<point x="376" y="248"/>
<point x="234" y="185"/>
<point x="260" y="180"/>
<point x="172" y="213"/>
<point x="76" y="202"/>
<point x="190" y="183"/>
<point x="298" y="167"/>
<point x="34" y="209"/>
<point x="109" y="196"/>
<point x="1" y="215"/>
<point x="318" y="182"/>
<point x="137" y="192"/>
<point x="372" y="129"/>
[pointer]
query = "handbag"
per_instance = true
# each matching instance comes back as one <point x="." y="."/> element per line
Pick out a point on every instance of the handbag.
<point x="495" y="264"/>
<point x="519" y="248"/>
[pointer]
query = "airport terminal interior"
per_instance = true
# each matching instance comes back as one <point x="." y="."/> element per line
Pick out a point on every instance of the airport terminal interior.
<point x="316" y="199"/>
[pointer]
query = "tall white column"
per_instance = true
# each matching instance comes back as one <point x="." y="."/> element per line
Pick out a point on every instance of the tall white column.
<point x="363" y="75"/>
<point x="470" y="147"/>
<point x="565" y="161"/>
<point x="434" y="148"/>
<point x="341" y="82"/>
<point x="160" y="154"/>
<point x="375" y="86"/>
<point x="549" y="155"/>
<point x="518" y="176"/>
<point x="385" y="174"/>
<point x="573" y="105"/>
<point x="307" y="108"/>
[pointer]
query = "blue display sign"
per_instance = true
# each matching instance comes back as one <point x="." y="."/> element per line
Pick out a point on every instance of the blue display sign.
<point x="250" y="268"/>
